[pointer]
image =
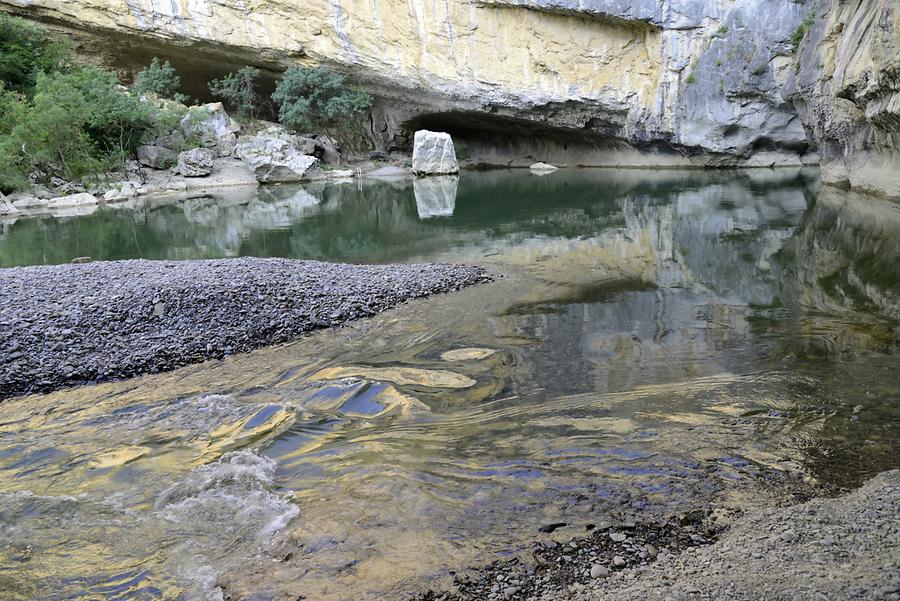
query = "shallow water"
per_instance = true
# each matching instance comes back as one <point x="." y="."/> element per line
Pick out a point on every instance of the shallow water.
<point x="654" y="341"/>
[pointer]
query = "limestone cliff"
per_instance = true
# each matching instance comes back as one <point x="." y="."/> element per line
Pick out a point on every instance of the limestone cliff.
<point x="572" y="81"/>
<point x="589" y="82"/>
<point x="847" y="89"/>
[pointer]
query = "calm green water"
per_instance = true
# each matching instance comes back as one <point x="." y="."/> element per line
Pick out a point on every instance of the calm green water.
<point x="654" y="341"/>
<point x="379" y="222"/>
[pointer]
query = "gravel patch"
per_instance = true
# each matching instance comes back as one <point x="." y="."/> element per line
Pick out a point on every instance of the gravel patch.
<point x="827" y="548"/>
<point x="64" y="325"/>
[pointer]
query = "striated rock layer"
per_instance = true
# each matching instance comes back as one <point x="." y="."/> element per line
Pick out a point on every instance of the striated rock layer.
<point x="846" y="86"/>
<point x="567" y="82"/>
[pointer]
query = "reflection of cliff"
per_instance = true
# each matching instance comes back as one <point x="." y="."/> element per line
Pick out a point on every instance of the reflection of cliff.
<point x="845" y="257"/>
<point x="682" y="274"/>
<point x="839" y="276"/>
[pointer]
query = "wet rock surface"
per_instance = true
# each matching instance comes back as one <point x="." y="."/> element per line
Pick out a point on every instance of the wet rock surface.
<point x="826" y="548"/>
<point x="65" y="325"/>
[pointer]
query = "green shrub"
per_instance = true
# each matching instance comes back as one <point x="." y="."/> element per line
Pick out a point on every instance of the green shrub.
<point x="691" y="78"/>
<point x="238" y="90"/>
<point x="13" y="107"/>
<point x="800" y="32"/>
<point x="723" y="29"/>
<point x="760" y="69"/>
<point x="160" y="79"/>
<point x="77" y="124"/>
<point x="25" y="51"/>
<point x="310" y="99"/>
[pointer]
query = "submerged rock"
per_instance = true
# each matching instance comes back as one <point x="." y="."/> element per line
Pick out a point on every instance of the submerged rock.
<point x="431" y="378"/>
<point x="467" y="354"/>
<point x="433" y="154"/>
<point x="195" y="163"/>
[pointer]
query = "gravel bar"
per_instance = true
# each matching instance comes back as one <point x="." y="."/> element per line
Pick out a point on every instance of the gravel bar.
<point x="65" y="325"/>
<point x="827" y="548"/>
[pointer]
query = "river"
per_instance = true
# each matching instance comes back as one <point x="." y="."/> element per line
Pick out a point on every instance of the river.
<point x="653" y="341"/>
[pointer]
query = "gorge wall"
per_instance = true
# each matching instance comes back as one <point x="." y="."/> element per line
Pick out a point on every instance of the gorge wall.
<point x="572" y="82"/>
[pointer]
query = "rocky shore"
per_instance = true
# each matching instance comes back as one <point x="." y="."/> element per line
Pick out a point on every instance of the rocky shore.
<point x="65" y="325"/>
<point x="826" y="548"/>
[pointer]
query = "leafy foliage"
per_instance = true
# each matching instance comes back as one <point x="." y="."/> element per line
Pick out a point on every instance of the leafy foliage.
<point x="77" y="124"/>
<point x="25" y="51"/>
<point x="160" y="79"/>
<point x="317" y="98"/>
<point x="238" y="90"/>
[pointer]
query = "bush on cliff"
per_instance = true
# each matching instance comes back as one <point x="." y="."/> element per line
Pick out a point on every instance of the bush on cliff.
<point x="311" y="99"/>
<point x="160" y="79"/>
<point x="27" y="50"/>
<point x="238" y="91"/>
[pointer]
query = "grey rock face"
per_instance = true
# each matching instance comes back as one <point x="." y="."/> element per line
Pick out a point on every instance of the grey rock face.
<point x="586" y="82"/>
<point x="6" y="207"/>
<point x="173" y="141"/>
<point x="156" y="157"/>
<point x="846" y="87"/>
<point x="195" y="163"/>
<point x="434" y="154"/>
<point x="212" y="125"/>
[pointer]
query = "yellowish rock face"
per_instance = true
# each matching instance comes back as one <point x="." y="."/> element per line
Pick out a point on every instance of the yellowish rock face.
<point x="459" y="46"/>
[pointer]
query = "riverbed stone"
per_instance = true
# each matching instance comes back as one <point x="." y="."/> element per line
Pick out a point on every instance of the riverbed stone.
<point x="197" y="162"/>
<point x="128" y="318"/>
<point x="433" y="154"/>
<point x="73" y="201"/>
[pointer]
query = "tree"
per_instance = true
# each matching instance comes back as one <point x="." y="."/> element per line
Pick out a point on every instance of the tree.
<point x="160" y="79"/>
<point x="318" y="98"/>
<point x="25" y="51"/>
<point x="77" y="124"/>
<point x="238" y="90"/>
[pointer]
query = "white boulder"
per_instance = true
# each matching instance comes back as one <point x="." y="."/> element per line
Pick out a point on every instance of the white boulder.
<point x="126" y="191"/>
<point x="433" y="154"/>
<point x="543" y="168"/>
<point x="6" y="207"/>
<point x="276" y="158"/>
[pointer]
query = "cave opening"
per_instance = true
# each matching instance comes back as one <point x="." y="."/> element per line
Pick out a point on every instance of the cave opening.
<point x="486" y="140"/>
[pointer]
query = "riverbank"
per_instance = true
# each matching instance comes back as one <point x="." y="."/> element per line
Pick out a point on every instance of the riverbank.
<point x="826" y="548"/>
<point x="66" y="325"/>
